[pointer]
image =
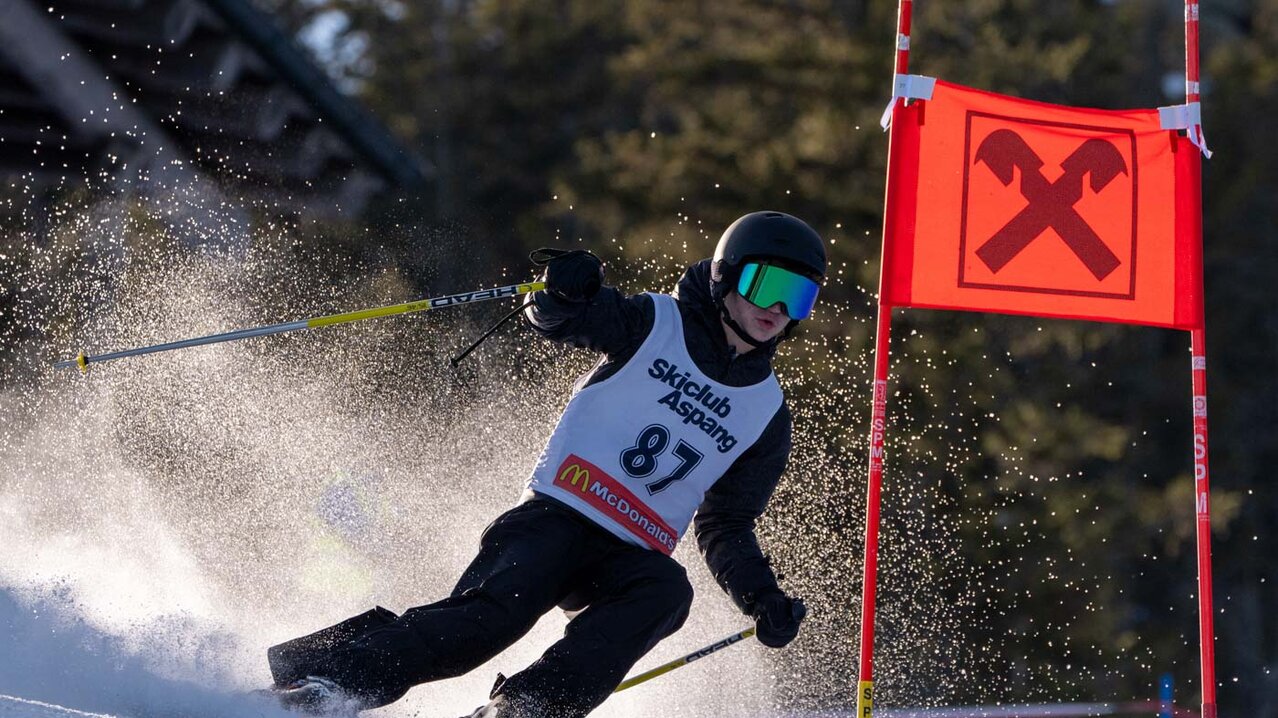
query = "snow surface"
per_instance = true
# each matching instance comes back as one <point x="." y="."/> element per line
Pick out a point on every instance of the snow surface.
<point x="11" y="707"/>
<point x="14" y="707"/>
<point x="57" y="664"/>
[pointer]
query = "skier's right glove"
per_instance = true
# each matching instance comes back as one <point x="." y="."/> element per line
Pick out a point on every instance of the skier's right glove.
<point x="777" y="618"/>
<point x="574" y="275"/>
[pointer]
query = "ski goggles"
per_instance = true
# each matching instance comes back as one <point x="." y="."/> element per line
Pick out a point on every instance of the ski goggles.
<point x="763" y="285"/>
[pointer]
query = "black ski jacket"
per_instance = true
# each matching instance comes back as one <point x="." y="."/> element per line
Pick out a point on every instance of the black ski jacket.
<point x="616" y="325"/>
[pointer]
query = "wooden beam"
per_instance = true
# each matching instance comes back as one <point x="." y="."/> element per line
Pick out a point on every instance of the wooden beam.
<point x="96" y="109"/>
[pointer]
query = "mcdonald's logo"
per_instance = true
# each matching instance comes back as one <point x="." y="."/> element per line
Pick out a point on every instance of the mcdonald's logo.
<point x="571" y="474"/>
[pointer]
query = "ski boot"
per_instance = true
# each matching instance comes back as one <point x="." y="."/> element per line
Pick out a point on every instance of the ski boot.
<point x="316" y="696"/>
<point x="501" y="707"/>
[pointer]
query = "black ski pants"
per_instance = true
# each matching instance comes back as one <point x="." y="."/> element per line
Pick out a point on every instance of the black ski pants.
<point x="534" y="557"/>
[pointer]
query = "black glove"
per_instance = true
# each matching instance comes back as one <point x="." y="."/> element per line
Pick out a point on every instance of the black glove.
<point x="777" y="617"/>
<point x="574" y="275"/>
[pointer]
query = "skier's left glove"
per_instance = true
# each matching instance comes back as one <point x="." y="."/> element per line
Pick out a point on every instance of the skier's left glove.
<point x="777" y="618"/>
<point x="574" y="275"/>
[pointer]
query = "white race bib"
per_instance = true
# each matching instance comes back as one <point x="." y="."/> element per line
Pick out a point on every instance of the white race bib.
<point x="637" y="452"/>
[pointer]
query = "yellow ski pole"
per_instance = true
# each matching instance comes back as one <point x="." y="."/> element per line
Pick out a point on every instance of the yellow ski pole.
<point x="800" y="612"/>
<point x="681" y="662"/>
<point x="421" y="305"/>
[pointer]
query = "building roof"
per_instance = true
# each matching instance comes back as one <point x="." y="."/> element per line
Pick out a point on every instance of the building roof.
<point x="211" y="87"/>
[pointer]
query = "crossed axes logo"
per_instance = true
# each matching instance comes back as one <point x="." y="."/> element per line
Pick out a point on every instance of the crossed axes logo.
<point x="1051" y="204"/>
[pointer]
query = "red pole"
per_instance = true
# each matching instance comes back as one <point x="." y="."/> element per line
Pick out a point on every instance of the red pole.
<point x="869" y="574"/>
<point x="1192" y="86"/>
<point x="1198" y="351"/>
<point x="878" y="415"/>
<point x="1206" y="632"/>
<point x="904" y="17"/>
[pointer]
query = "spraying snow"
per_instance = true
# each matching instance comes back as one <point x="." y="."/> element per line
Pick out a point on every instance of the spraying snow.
<point x="166" y="518"/>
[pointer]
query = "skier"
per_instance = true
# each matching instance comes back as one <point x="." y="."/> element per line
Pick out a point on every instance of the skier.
<point x="681" y="416"/>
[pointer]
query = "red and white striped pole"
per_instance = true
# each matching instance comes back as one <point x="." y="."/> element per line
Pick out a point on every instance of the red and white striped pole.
<point x="1206" y="632"/>
<point x="878" y="412"/>
<point x="1198" y="353"/>
<point x="1192" y="86"/>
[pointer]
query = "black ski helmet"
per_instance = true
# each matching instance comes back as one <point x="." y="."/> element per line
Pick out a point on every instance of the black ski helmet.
<point x="777" y="237"/>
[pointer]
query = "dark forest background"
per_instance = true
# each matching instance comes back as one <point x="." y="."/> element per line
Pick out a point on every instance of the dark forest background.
<point x="1053" y="455"/>
<point x="612" y="123"/>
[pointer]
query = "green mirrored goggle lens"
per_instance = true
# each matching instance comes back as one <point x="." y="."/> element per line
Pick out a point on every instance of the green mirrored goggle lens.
<point x="763" y="285"/>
